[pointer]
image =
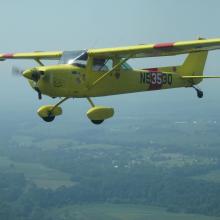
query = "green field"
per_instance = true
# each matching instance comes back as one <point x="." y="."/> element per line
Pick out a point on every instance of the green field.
<point x="122" y="212"/>
<point x="42" y="176"/>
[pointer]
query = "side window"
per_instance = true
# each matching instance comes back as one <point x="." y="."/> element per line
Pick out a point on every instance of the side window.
<point x="102" y="64"/>
<point x="125" y="66"/>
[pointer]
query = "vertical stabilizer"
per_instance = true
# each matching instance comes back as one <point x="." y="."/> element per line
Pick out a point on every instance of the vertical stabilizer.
<point x="194" y="65"/>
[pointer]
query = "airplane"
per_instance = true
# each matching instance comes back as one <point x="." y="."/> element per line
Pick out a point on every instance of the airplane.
<point x="103" y="72"/>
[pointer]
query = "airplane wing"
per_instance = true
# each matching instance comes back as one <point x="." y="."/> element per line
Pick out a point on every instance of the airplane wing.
<point x="32" y="55"/>
<point x="156" y="50"/>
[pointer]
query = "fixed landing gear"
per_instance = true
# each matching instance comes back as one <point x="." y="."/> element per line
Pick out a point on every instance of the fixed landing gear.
<point x="49" y="118"/>
<point x="199" y="92"/>
<point x="97" y="122"/>
<point x="49" y="112"/>
<point x="38" y="92"/>
<point x="98" y="114"/>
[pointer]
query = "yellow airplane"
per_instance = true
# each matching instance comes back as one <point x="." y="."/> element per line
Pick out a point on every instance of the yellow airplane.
<point x="102" y="72"/>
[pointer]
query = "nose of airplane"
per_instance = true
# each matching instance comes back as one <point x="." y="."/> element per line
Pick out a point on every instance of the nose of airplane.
<point x="33" y="74"/>
<point x="27" y="74"/>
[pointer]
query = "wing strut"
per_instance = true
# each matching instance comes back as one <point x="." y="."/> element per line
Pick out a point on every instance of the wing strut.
<point x="109" y="72"/>
<point x="39" y="62"/>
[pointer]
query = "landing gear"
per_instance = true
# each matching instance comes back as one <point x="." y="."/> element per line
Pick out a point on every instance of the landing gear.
<point x="98" y="114"/>
<point x="94" y="121"/>
<point x="49" y="112"/>
<point x="49" y="118"/>
<point x="38" y="92"/>
<point x="199" y="92"/>
<point x="97" y="122"/>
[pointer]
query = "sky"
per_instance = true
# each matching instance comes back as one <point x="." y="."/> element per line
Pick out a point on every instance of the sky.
<point x="30" y="25"/>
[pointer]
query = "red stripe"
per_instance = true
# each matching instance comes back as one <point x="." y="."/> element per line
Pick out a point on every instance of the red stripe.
<point x="8" y="55"/>
<point x="163" y="45"/>
<point x="153" y="69"/>
<point x="155" y="86"/>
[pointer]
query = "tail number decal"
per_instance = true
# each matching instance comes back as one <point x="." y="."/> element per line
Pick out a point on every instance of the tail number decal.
<point x="156" y="78"/>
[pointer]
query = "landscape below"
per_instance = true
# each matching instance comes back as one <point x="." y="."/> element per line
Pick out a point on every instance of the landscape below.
<point x="112" y="172"/>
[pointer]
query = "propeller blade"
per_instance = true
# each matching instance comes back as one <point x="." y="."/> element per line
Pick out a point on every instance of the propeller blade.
<point x="16" y="71"/>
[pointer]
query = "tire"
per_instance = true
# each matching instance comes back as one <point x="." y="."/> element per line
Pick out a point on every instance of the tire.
<point x="48" y="118"/>
<point x="97" y="122"/>
<point x="200" y="94"/>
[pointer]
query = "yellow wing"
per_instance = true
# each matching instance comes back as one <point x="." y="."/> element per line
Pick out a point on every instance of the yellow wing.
<point x="155" y="50"/>
<point x="33" y="55"/>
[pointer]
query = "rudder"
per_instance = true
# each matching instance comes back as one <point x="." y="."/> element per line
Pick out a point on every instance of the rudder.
<point x="194" y="65"/>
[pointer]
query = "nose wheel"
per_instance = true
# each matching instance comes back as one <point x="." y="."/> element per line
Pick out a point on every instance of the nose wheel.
<point x="199" y="92"/>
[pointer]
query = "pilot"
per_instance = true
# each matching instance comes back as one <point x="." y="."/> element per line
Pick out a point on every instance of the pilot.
<point x="99" y="64"/>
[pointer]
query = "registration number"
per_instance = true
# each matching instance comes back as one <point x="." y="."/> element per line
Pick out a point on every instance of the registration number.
<point x="156" y="78"/>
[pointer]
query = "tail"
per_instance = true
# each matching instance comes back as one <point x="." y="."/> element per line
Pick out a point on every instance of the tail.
<point x="191" y="69"/>
<point x="193" y="66"/>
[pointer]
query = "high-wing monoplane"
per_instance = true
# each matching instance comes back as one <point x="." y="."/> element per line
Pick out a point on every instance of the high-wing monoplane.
<point x="102" y="72"/>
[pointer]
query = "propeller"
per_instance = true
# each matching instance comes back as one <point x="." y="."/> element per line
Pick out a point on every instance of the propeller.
<point x="17" y="71"/>
<point x="34" y="75"/>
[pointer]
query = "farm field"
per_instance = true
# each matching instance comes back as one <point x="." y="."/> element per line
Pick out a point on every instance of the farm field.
<point x="39" y="174"/>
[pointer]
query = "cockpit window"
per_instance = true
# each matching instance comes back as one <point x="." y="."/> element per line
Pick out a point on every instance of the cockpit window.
<point x="126" y="66"/>
<point x="77" y="58"/>
<point x="102" y="64"/>
<point x="106" y="64"/>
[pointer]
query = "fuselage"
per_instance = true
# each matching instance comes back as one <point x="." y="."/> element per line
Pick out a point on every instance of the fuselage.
<point x="72" y="81"/>
<point x="77" y="74"/>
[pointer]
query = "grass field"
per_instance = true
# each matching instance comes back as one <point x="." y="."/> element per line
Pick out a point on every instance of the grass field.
<point x="122" y="212"/>
<point x="42" y="176"/>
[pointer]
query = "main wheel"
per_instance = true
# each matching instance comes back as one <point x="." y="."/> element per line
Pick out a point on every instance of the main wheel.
<point x="48" y="118"/>
<point x="97" y="122"/>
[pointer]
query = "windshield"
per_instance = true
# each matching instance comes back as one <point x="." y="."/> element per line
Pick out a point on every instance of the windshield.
<point x="78" y="58"/>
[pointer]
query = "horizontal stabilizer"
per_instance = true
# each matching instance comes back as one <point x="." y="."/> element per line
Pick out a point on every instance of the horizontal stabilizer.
<point x="200" y="77"/>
